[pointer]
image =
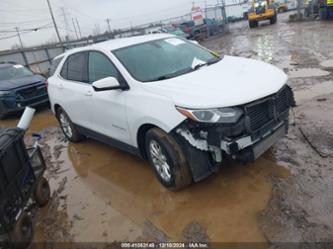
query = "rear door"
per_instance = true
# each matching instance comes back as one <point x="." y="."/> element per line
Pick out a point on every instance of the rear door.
<point x="74" y="89"/>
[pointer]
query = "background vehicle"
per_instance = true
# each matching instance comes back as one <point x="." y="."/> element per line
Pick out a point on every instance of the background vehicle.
<point x="323" y="8"/>
<point x="261" y="10"/>
<point x="21" y="178"/>
<point x="208" y="28"/>
<point x="281" y="7"/>
<point x="161" y="97"/>
<point x="174" y="31"/>
<point x="20" y="87"/>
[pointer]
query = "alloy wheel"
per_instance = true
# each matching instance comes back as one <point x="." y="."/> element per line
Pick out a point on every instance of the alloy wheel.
<point x="160" y="161"/>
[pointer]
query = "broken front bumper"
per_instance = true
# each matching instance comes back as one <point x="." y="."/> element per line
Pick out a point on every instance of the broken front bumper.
<point x="248" y="149"/>
<point x="244" y="148"/>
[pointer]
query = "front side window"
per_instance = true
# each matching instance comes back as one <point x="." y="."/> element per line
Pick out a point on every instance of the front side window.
<point x="162" y="59"/>
<point x="11" y="72"/>
<point x="100" y="67"/>
<point x="75" y="67"/>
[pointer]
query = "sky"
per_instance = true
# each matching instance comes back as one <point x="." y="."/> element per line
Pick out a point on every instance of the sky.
<point x="90" y="14"/>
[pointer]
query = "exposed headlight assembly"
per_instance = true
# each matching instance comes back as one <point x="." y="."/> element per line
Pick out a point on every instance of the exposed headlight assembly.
<point x="219" y="115"/>
<point x="256" y="5"/>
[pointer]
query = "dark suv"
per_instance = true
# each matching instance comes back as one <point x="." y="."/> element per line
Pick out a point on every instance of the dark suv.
<point x="20" y="87"/>
<point x="208" y="28"/>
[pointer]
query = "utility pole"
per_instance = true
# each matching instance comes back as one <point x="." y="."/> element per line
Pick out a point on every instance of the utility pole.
<point x="108" y="22"/>
<point x="54" y="23"/>
<point x="19" y="36"/>
<point x="66" y="24"/>
<point x="224" y="15"/>
<point x="206" y="17"/>
<point x="299" y="6"/>
<point x="77" y="37"/>
<point x="78" y="27"/>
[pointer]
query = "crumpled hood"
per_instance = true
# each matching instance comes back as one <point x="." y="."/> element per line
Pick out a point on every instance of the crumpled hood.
<point x="232" y="81"/>
<point x="6" y="85"/>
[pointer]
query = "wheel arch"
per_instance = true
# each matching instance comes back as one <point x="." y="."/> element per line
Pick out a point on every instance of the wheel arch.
<point x="56" y="108"/>
<point x="141" y="137"/>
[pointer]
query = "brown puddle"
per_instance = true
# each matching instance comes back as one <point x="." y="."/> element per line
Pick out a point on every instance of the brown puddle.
<point x="103" y="194"/>
<point x="42" y="119"/>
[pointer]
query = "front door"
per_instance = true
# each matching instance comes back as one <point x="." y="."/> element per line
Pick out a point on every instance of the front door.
<point x="107" y="109"/>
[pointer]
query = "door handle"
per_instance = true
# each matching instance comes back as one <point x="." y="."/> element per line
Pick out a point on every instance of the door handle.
<point x="60" y="86"/>
<point x="88" y="93"/>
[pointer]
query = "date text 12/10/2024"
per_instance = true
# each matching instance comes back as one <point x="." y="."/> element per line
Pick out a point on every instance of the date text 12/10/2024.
<point x="163" y="245"/>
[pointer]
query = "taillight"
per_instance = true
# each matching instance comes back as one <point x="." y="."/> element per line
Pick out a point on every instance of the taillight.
<point x="187" y="29"/>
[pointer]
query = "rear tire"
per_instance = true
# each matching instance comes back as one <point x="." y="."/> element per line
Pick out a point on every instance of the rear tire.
<point x="273" y="19"/>
<point x="168" y="160"/>
<point x="42" y="192"/>
<point x="253" y="24"/>
<point x="68" y="127"/>
<point x="22" y="234"/>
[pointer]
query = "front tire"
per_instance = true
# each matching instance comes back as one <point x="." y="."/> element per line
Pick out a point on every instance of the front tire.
<point x="273" y="19"/>
<point x="67" y="126"/>
<point x="253" y="24"/>
<point x="168" y="160"/>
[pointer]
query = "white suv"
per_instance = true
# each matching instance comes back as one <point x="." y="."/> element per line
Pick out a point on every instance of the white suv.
<point x="174" y="102"/>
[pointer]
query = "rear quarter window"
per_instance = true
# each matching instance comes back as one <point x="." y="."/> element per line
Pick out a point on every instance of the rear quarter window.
<point x="75" y="67"/>
<point x="54" y="65"/>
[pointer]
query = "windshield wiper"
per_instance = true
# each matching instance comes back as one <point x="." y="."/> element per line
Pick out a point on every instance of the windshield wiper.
<point x="172" y="75"/>
<point x="210" y="62"/>
<point x="187" y="70"/>
<point x="214" y="60"/>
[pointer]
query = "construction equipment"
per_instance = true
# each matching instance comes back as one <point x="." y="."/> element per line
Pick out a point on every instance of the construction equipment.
<point x="262" y="10"/>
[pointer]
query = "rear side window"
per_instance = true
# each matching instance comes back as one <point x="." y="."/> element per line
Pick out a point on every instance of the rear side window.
<point x="75" y="68"/>
<point x="101" y="67"/>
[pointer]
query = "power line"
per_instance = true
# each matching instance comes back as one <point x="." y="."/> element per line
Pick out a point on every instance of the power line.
<point x="30" y="29"/>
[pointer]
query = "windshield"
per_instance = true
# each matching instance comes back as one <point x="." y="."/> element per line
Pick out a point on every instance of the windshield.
<point x="14" y="72"/>
<point x="163" y="59"/>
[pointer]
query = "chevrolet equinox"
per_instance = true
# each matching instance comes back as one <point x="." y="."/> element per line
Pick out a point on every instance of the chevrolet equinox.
<point x="179" y="105"/>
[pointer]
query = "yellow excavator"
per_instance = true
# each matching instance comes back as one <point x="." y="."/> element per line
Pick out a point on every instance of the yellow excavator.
<point x="262" y="10"/>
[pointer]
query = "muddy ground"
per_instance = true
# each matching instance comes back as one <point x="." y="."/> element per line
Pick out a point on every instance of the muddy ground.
<point x="100" y="194"/>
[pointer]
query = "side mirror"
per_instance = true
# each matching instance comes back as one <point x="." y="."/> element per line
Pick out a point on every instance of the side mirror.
<point x="108" y="83"/>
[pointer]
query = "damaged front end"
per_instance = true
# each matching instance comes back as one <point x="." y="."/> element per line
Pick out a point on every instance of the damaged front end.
<point x="242" y="133"/>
